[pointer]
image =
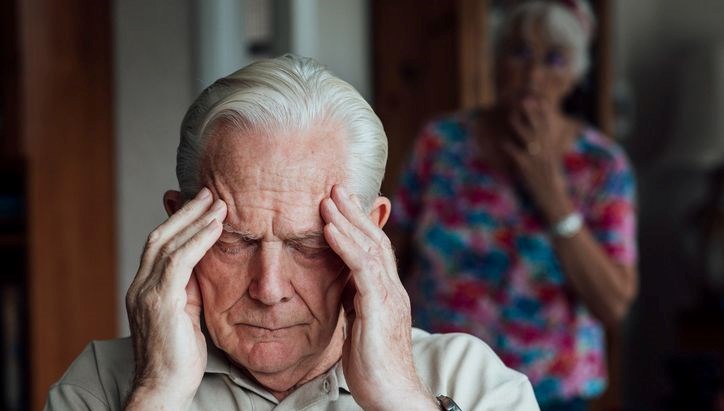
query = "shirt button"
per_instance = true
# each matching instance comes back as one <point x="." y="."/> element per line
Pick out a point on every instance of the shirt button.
<point x="325" y="386"/>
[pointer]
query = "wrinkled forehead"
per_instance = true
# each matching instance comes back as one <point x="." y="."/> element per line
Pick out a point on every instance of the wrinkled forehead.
<point x="288" y="171"/>
<point x="245" y="154"/>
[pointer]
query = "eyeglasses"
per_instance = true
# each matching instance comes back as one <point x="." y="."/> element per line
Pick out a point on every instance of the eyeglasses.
<point x="553" y="59"/>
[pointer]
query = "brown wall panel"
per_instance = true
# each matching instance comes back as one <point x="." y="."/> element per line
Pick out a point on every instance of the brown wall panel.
<point x="66" y="127"/>
<point x="415" y="70"/>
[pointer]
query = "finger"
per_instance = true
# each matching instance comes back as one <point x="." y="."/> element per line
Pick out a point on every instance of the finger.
<point x="332" y="214"/>
<point x="180" y="219"/>
<point x="515" y="153"/>
<point x="547" y="112"/>
<point x="534" y="114"/>
<point x="145" y="278"/>
<point x="522" y="130"/>
<point x="354" y="257"/>
<point x="352" y="211"/>
<point x="368" y="237"/>
<point x="181" y="263"/>
<point x="216" y="211"/>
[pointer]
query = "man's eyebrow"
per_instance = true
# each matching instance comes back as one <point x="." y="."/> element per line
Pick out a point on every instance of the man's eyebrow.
<point x="312" y="235"/>
<point x="305" y="236"/>
<point x="246" y="235"/>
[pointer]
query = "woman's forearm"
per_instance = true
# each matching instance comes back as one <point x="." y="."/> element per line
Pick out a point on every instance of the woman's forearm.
<point x="606" y="287"/>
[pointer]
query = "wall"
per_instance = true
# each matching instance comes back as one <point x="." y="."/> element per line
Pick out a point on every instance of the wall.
<point x="655" y="41"/>
<point x="153" y="78"/>
<point x="337" y="34"/>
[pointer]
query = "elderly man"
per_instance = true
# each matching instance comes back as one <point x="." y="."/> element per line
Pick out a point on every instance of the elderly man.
<point x="272" y="285"/>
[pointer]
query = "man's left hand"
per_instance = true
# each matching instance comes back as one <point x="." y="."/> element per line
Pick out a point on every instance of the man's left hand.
<point x="377" y="355"/>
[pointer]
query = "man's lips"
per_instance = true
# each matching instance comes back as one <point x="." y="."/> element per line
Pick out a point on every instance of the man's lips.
<point x="266" y="330"/>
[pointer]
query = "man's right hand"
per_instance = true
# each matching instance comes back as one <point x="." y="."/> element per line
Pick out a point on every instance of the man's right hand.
<point x="164" y="307"/>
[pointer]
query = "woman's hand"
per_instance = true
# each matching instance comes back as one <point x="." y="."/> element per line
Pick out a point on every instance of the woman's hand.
<point x="537" y="157"/>
<point x="164" y="307"/>
<point x="377" y="355"/>
<point x="605" y="286"/>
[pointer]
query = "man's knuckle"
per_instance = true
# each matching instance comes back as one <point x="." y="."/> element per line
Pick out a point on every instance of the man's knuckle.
<point x="175" y="260"/>
<point x="149" y="299"/>
<point x="130" y="300"/>
<point x="154" y="237"/>
<point x="167" y="250"/>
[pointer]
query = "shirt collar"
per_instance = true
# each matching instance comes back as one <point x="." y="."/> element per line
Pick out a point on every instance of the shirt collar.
<point x="217" y="362"/>
<point x="339" y="373"/>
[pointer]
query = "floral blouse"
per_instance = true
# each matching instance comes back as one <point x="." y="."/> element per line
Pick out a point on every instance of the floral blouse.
<point x="483" y="262"/>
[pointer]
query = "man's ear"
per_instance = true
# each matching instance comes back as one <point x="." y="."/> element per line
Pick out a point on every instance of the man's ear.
<point x="380" y="212"/>
<point x="172" y="201"/>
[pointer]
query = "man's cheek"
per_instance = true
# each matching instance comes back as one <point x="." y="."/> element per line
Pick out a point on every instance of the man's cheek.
<point x="220" y="282"/>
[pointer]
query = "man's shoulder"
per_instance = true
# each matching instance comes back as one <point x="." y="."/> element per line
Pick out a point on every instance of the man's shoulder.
<point x="102" y="373"/>
<point x="466" y="368"/>
<point x="102" y="358"/>
<point x="435" y="348"/>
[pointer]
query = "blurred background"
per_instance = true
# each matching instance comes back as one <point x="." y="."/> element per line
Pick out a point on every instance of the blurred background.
<point x="93" y="92"/>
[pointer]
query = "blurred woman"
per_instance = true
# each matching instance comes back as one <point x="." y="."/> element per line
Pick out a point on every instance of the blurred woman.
<point x="517" y="223"/>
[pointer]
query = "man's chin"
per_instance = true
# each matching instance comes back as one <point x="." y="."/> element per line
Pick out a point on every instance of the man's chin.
<point x="271" y="357"/>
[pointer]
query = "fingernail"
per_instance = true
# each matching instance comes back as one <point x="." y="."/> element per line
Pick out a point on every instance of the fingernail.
<point x="204" y="193"/>
<point x="328" y="203"/>
<point x="218" y="205"/>
<point x="342" y="191"/>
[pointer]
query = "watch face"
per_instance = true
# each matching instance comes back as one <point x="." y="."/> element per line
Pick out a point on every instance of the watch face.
<point x="447" y="404"/>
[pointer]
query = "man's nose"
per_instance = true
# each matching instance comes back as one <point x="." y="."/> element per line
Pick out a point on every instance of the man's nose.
<point x="271" y="284"/>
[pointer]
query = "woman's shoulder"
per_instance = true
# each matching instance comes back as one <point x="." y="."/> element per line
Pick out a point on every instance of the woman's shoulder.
<point x="601" y="149"/>
<point x="450" y="127"/>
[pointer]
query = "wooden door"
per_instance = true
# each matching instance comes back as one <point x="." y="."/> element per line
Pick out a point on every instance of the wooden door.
<point x="65" y="131"/>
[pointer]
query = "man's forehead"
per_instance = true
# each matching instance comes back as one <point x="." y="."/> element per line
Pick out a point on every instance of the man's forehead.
<point x="280" y="176"/>
<point x="313" y="153"/>
<point x="284" y="216"/>
<point x="286" y="175"/>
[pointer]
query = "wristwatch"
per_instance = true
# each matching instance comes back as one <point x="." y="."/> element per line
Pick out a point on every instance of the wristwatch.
<point x="446" y="403"/>
<point x="568" y="226"/>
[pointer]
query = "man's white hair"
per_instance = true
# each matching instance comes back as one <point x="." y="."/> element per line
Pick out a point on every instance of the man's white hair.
<point x="282" y="94"/>
<point x="570" y="27"/>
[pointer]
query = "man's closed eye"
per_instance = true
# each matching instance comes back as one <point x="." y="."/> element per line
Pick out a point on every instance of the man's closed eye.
<point x="311" y="252"/>
<point x="236" y="246"/>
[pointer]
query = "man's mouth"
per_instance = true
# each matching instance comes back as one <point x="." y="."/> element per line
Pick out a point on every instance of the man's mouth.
<point x="268" y="331"/>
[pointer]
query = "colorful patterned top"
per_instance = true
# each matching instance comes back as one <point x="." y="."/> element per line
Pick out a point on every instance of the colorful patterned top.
<point x="483" y="262"/>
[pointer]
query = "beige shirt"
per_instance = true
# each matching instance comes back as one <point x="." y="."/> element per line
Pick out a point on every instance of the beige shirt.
<point x="457" y="365"/>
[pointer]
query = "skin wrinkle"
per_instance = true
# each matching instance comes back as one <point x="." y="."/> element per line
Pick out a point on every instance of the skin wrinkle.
<point x="276" y="207"/>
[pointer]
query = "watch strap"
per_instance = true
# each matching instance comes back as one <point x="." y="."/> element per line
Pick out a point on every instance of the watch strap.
<point x="446" y="403"/>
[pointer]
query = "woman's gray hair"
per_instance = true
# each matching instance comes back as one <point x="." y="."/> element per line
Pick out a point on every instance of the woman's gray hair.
<point x="569" y="25"/>
<point x="286" y="93"/>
